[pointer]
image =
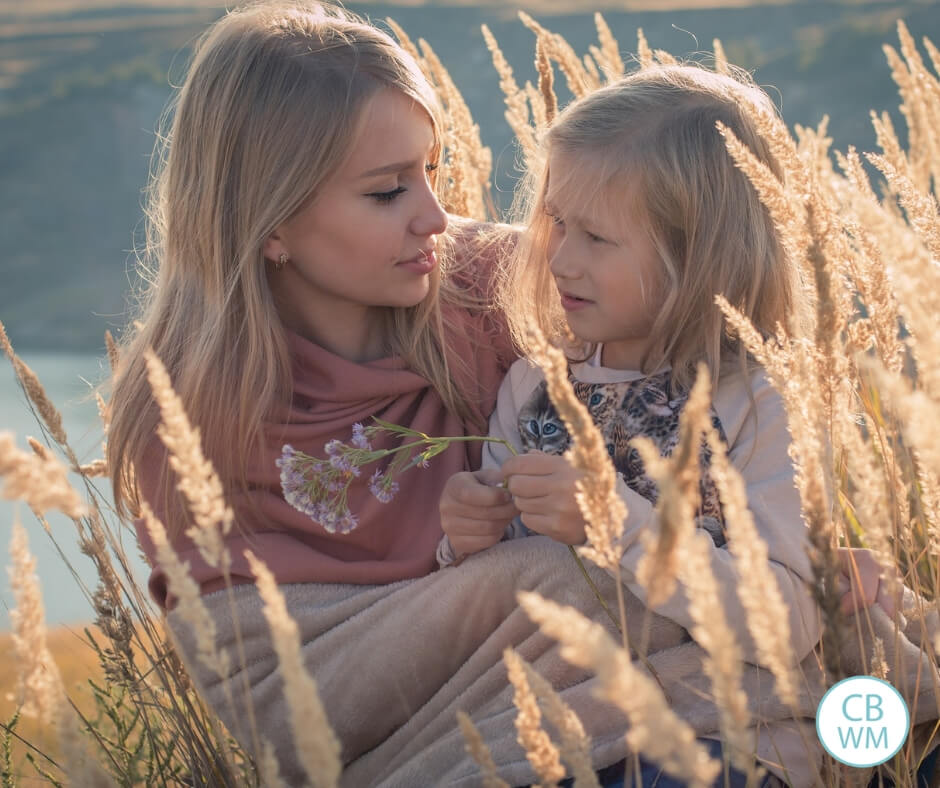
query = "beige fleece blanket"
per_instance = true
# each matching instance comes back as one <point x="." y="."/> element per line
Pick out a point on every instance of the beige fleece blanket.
<point x="395" y="663"/>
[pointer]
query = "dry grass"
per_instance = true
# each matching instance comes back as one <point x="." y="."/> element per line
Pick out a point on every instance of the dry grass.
<point x="863" y="401"/>
<point x="77" y="665"/>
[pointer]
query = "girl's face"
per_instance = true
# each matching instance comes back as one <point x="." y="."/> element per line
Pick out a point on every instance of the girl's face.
<point x="605" y="268"/>
<point x="367" y="239"/>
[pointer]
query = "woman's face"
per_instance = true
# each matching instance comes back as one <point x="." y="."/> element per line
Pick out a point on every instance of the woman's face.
<point x="366" y="241"/>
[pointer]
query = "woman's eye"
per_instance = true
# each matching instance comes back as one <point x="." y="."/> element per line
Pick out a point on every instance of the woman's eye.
<point x="595" y="238"/>
<point x="387" y="197"/>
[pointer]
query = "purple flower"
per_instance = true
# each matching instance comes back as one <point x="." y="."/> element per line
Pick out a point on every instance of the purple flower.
<point x="359" y="439"/>
<point x="287" y="456"/>
<point x="382" y="487"/>
<point x="333" y="447"/>
<point x="340" y="462"/>
<point x="347" y="522"/>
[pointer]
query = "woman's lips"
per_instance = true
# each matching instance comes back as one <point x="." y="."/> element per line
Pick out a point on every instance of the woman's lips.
<point x="571" y="303"/>
<point x="422" y="263"/>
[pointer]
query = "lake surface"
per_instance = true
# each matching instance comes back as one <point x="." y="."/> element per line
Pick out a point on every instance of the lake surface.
<point x="68" y="380"/>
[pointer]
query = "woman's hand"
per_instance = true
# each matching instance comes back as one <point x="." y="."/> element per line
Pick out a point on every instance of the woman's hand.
<point x="475" y="510"/>
<point x="860" y="582"/>
<point x="543" y="489"/>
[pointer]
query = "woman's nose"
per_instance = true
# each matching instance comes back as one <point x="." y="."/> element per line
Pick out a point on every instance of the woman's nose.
<point x="430" y="219"/>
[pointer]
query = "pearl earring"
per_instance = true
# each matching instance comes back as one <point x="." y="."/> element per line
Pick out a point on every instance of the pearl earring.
<point x="281" y="261"/>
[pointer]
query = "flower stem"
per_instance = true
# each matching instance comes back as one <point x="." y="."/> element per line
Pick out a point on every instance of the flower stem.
<point x="595" y="589"/>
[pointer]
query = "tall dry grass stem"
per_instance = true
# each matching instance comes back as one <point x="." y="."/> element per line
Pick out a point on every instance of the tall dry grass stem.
<point x="476" y="748"/>
<point x="540" y="751"/>
<point x="317" y="746"/>
<point x="655" y="731"/>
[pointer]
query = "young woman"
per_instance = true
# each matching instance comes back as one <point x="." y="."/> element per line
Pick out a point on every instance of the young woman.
<point x="305" y="279"/>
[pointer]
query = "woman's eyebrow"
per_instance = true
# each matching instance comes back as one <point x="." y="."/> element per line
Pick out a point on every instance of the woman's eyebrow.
<point x="390" y="168"/>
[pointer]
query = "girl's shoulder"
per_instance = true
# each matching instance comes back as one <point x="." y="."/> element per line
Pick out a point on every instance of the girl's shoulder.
<point x="750" y="408"/>
<point x="748" y="387"/>
<point x="522" y="377"/>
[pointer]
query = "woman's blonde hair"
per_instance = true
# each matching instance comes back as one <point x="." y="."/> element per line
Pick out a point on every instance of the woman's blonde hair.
<point x="648" y="146"/>
<point x="270" y="107"/>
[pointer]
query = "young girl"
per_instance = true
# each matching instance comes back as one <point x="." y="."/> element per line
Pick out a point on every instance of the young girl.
<point x="639" y="219"/>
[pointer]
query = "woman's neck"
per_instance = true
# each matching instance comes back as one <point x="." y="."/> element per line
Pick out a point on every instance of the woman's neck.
<point x="358" y="336"/>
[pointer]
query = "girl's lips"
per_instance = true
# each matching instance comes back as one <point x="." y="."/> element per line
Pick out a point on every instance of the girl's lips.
<point x="572" y="303"/>
<point x="423" y="263"/>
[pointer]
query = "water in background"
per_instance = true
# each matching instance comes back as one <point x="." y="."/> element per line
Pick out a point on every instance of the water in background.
<point x="68" y="380"/>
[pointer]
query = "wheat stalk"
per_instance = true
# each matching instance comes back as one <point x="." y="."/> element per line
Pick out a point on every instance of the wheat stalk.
<point x="655" y="730"/>
<point x="317" y="746"/>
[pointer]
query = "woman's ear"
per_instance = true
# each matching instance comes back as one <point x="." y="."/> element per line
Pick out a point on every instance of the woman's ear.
<point x="274" y="247"/>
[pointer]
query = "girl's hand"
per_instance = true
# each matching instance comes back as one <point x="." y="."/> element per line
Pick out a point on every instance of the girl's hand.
<point x="475" y="510"/>
<point x="543" y="489"/>
<point x="860" y="582"/>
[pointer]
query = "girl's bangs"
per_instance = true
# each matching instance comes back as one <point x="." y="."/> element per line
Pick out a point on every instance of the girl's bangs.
<point x="598" y="190"/>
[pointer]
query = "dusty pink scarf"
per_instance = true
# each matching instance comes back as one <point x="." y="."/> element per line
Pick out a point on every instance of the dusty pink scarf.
<point x="393" y="541"/>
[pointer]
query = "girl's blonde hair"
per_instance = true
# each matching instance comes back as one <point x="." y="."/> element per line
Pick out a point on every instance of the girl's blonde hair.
<point x="648" y="146"/>
<point x="270" y="107"/>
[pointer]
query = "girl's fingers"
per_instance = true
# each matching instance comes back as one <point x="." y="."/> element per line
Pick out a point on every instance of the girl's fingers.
<point x="535" y="463"/>
<point x="531" y="486"/>
<point x="491" y="477"/>
<point x="481" y="495"/>
<point x="500" y="513"/>
<point x="544" y="505"/>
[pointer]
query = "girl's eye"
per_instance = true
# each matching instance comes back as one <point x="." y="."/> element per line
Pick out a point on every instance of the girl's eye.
<point x="387" y="197"/>
<point x="595" y="238"/>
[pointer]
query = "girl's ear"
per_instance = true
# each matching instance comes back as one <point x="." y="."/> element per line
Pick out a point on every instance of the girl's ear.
<point x="274" y="247"/>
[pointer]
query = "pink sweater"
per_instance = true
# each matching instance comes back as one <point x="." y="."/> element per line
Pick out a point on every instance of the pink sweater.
<point x="393" y="541"/>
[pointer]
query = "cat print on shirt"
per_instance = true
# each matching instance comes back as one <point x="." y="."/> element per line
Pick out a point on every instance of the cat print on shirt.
<point x="540" y="426"/>
<point x="650" y="407"/>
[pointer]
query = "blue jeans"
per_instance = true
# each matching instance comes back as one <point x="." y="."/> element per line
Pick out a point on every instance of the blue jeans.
<point x="925" y="773"/>
<point x="652" y="776"/>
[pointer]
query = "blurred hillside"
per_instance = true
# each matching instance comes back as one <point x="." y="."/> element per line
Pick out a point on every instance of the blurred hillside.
<point x="82" y="86"/>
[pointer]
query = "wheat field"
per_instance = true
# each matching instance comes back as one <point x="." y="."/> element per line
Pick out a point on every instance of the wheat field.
<point x="861" y="385"/>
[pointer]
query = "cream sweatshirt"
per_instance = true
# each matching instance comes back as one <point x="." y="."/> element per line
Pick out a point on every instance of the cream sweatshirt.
<point x="758" y="442"/>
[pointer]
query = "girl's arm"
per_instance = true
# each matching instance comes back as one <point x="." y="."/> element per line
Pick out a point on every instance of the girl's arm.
<point x="476" y="512"/>
<point x="759" y="442"/>
<point x="543" y="487"/>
